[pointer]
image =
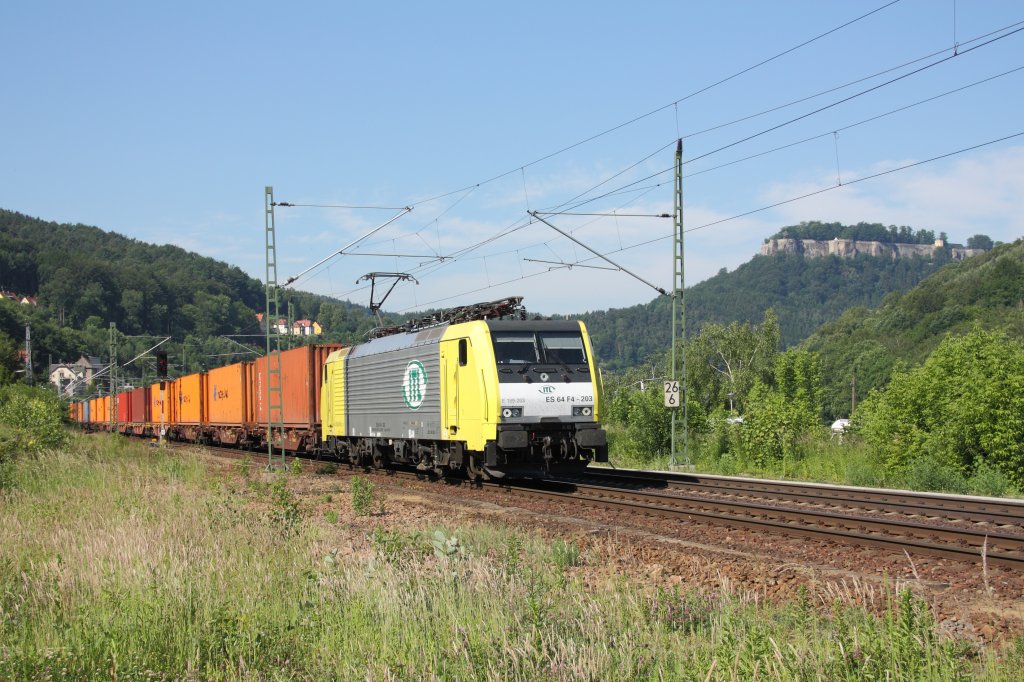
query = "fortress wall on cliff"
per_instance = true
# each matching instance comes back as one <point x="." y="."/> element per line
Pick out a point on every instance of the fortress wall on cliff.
<point x="848" y="248"/>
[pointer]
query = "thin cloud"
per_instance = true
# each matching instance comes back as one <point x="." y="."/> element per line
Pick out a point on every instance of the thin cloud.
<point x="981" y="194"/>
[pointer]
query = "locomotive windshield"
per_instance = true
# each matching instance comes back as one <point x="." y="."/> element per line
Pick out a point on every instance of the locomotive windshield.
<point x="520" y="348"/>
<point x="563" y="347"/>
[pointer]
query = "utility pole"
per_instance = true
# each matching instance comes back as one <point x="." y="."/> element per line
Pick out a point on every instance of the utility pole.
<point x="679" y="310"/>
<point x="28" y="355"/>
<point x="113" y="377"/>
<point x="853" y="393"/>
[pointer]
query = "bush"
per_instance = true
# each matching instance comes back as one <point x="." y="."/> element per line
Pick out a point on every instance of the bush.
<point x="964" y="408"/>
<point x="362" y="496"/>
<point x="34" y="417"/>
<point x="988" y="480"/>
<point x="774" y="426"/>
<point x="929" y="474"/>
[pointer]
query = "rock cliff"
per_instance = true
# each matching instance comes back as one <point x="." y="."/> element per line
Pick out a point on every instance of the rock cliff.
<point x="848" y="248"/>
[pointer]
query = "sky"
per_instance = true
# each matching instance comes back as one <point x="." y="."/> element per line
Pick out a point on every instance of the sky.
<point x="164" y="122"/>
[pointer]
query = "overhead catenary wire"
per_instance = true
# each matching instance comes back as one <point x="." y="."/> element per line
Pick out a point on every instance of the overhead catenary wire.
<point x="380" y="227"/>
<point x="515" y="227"/>
<point x="563" y="264"/>
<point x="830" y="188"/>
<point x="287" y="204"/>
<point x="789" y="145"/>
<point x="652" y="112"/>
<point x="609" y="214"/>
<point x="518" y="225"/>
<point x="857" y="94"/>
<point x="604" y="258"/>
<point x="856" y="81"/>
<point x="734" y="121"/>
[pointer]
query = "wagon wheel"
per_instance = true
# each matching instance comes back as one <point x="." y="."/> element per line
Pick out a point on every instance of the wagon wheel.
<point x="379" y="461"/>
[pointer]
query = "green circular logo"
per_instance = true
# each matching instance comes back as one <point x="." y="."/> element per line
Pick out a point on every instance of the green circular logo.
<point x="414" y="384"/>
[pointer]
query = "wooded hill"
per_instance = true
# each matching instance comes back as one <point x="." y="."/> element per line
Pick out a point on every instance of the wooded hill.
<point x="85" y="278"/>
<point x="805" y="293"/>
<point x="985" y="291"/>
<point x="89" y="278"/>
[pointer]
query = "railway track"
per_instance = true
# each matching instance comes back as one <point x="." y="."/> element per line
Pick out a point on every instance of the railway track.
<point x="953" y="526"/>
<point x="974" y="530"/>
<point x="997" y="514"/>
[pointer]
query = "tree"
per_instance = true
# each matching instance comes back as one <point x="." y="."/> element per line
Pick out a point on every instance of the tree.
<point x="9" y="361"/>
<point x="774" y="425"/>
<point x="980" y="241"/>
<point x="964" y="407"/>
<point x="724" y="363"/>
<point x="798" y="379"/>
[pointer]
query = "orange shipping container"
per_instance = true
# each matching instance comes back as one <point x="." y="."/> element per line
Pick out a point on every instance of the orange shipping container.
<point x="157" y="400"/>
<point x="103" y="410"/>
<point x="227" y="394"/>
<point x="301" y="371"/>
<point x="189" y="392"/>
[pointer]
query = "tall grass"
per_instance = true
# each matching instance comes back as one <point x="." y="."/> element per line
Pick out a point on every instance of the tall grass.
<point x="121" y="562"/>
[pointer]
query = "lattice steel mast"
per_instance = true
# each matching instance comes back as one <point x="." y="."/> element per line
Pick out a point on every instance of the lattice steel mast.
<point x="679" y="310"/>
<point x="275" y="405"/>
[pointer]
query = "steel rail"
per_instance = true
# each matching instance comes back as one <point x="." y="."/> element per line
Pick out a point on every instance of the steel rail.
<point x="968" y="545"/>
<point x="958" y="508"/>
<point x="996" y="549"/>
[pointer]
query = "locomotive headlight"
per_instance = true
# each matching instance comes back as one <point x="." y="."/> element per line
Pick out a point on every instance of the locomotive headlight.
<point x="584" y="411"/>
<point x="508" y="412"/>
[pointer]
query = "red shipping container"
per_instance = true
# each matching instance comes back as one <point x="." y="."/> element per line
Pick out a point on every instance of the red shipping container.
<point x="124" y="408"/>
<point x="301" y="372"/>
<point x="140" y="405"/>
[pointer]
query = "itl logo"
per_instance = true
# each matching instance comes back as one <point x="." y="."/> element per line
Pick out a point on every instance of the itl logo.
<point x="546" y="389"/>
<point x="414" y="384"/>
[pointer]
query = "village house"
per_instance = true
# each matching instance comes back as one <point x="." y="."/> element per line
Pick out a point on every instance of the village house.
<point x="74" y="377"/>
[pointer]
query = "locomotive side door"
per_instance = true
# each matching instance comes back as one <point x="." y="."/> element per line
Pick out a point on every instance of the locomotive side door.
<point x="463" y="400"/>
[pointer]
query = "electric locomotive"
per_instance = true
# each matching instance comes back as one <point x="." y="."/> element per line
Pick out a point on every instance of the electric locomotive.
<point x="497" y="397"/>
<point x="478" y="388"/>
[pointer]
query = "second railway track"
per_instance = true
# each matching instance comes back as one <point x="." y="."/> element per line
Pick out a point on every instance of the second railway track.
<point x="974" y="530"/>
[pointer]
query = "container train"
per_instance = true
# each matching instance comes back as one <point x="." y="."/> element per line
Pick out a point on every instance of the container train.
<point x="473" y="392"/>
